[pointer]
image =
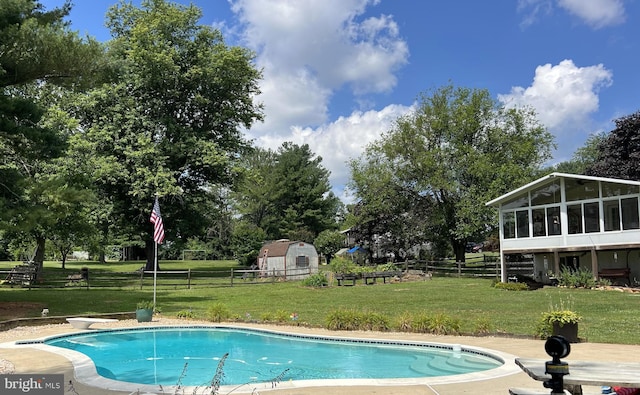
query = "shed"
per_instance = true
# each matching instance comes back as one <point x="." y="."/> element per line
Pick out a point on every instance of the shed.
<point x="293" y="260"/>
<point x="573" y="221"/>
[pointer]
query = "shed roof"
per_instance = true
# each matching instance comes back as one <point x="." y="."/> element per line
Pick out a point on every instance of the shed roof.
<point x="277" y="248"/>
<point x="542" y="180"/>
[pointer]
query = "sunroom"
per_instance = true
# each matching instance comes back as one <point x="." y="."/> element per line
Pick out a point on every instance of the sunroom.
<point x="573" y="221"/>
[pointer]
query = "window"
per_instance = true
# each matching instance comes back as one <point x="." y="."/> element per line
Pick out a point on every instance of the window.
<point x="538" y="222"/>
<point x="509" y="225"/>
<point x="520" y="201"/>
<point x="574" y="216"/>
<point x="591" y="217"/>
<point x="580" y="189"/>
<point x="630" y="213"/>
<point x="610" y="189"/>
<point x="302" y="261"/>
<point x="611" y="215"/>
<point x="548" y="194"/>
<point x="522" y="223"/>
<point x="553" y="221"/>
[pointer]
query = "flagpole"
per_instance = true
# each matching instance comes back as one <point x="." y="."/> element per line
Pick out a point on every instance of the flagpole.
<point x="155" y="273"/>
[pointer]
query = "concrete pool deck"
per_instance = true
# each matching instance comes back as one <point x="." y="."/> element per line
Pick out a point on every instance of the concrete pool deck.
<point x="26" y="359"/>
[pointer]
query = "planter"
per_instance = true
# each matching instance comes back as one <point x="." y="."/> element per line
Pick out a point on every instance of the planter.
<point x="144" y="315"/>
<point x="569" y="331"/>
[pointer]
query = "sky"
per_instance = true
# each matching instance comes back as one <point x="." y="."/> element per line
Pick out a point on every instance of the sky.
<point x="337" y="73"/>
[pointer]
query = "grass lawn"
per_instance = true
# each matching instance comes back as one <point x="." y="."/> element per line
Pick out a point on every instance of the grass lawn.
<point x="609" y="316"/>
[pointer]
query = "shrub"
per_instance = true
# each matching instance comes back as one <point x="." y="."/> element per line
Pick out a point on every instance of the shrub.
<point x="218" y="312"/>
<point x="342" y="265"/>
<point x="342" y="319"/>
<point x="281" y="316"/>
<point x="581" y="278"/>
<point x="404" y="322"/>
<point x="316" y="280"/>
<point x="420" y="323"/>
<point x="442" y="324"/>
<point x="482" y="326"/>
<point x="185" y="314"/>
<point x="374" y="322"/>
<point x="511" y="286"/>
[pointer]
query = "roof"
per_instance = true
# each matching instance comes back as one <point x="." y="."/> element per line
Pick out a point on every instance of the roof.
<point x="278" y="248"/>
<point x="542" y="180"/>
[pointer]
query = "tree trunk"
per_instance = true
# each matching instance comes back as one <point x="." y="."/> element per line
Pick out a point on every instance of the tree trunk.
<point x="459" y="250"/>
<point x="38" y="259"/>
<point x="149" y="247"/>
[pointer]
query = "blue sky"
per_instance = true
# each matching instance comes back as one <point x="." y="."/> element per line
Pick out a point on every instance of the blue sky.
<point x="338" y="72"/>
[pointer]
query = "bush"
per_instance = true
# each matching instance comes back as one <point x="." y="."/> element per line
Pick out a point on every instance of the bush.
<point x="343" y="266"/>
<point x="185" y="314"/>
<point x="512" y="286"/>
<point x="316" y="280"/>
<point x="218" y="312"/>
<point x="347" y="320"/>
<point x="442" y="324"/>
<point x="351" y="320"/>
<point x="581" y="278"/>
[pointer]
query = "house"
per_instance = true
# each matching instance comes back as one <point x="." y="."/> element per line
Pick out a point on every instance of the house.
<point x="293" y="260"/>
<point x="573" y="221"/>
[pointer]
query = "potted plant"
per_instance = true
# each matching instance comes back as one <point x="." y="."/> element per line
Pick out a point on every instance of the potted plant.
<point x="144" y="311"/>
<point x="561" y="322"/>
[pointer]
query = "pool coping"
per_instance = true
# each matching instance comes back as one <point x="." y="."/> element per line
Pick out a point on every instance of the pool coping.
<point x="86" y="373"/>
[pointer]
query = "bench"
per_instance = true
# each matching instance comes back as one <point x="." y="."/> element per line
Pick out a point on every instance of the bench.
<point x="86" y="322"/>
<point x="383" y="275"/>
<point x="346" y="277"/>
<point x="616" y="273"/>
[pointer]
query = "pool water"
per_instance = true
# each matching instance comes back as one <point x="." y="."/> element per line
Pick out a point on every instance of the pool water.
<point x="189" y="356"/>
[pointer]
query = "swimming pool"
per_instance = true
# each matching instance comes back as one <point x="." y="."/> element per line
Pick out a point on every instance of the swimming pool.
<point x="189" y="356"/>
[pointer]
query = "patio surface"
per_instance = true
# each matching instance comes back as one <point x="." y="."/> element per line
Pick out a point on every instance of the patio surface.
<point x="26" y="359"/>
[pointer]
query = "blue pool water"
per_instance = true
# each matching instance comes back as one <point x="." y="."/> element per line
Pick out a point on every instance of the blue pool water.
<point x="190" y="356"/>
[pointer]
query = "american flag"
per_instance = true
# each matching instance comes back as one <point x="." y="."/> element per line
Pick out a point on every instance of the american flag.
<point x="156" y="220"/>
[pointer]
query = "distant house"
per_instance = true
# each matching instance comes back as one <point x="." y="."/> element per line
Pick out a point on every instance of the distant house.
<point x="293" y="260"/>
<point x="573" y="221"/>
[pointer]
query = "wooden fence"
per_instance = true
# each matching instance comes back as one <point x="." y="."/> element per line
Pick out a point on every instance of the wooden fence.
<point x="174" y="279"/>
<point x="164" y="279"/>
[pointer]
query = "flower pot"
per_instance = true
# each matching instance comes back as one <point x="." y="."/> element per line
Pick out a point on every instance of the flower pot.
<point x="568" y="331"/>
<point x="144" y="315"/>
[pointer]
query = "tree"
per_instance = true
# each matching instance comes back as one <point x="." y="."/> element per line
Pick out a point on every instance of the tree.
<point x="583" y="158"/>
<point x="619" y="152"/>
<point x="36" y="49"/>
<point x="458" y="150"/>
<point x="328" y="243"/>
<point x="287" y="193"/>
<point x="170" y="120"/>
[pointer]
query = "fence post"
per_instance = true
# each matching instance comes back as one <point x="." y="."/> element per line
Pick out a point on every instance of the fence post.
<point x="273" y="277"/>
<point x="141" y="277"/>
<point x="459" y="269"/>
<point x="232" y="277"/>
<point x="189" y="278"/>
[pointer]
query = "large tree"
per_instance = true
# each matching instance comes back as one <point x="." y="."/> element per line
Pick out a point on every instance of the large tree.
<point x="170" y="121"/>
<point x="619" y="151"/>
<point x="456" y="151"/>
<point x="287" y="193"/>
<point x="37" y="49"/>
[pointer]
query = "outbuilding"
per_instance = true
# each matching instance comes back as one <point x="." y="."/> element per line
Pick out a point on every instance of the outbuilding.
<point x="575" y="222"/>
<point x="293" y="260"/>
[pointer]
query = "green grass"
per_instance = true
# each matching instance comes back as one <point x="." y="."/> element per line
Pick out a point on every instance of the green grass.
<point x="609" y="317"/>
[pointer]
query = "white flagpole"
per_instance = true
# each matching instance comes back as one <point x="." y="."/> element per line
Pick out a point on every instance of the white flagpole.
<point x="155" y="273"/>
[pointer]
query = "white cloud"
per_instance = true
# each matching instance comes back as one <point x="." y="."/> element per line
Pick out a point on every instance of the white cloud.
<point x="310" y="49"/>
<point x="596" y="13"/>
<point x="341" y="140"/>
<point x="562" y="95"/>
